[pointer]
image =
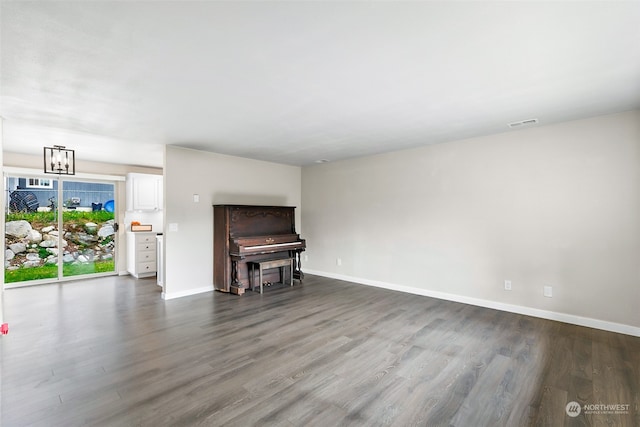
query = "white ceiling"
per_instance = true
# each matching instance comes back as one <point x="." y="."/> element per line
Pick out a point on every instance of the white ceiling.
<point x="294" y="82"/>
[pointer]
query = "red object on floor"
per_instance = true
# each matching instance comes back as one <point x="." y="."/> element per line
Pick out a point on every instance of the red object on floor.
<point x="4" y="328"/>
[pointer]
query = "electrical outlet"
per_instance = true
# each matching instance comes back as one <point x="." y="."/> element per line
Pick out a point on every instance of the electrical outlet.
<point x="306" y="257"/>
<point x="338" y="261"/>
<point x="507" y="285"/>
<point x="547" y="291"/>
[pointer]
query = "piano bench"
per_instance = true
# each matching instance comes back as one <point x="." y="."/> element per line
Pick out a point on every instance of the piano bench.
<point x="271" y="263"/>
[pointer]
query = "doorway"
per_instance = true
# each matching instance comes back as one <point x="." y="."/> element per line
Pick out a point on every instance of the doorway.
<point x="58" y="228"/>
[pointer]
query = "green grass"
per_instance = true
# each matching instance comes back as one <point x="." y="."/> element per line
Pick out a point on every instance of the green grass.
<point x="88" y="268"/>
<point x="32" y="217"/>
<point x="51" y="271"/>
<point x="67" y="216"/>
<point x="35" y="273"/>
<point x="97" y="216"/>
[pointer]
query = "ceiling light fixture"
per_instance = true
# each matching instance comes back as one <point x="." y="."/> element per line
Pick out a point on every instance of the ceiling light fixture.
<point x="60" y="161"/>
<point x="322" y="161"/>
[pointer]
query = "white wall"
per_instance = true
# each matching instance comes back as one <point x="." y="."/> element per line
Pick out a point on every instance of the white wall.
<point x="217" y="179"/>
<point x="552" y="205"/>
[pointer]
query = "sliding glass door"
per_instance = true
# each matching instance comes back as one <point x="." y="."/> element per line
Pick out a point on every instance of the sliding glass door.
<point x="88" y="221"/>
<point x="31" y="224"/>
<point x="58" y="228"/>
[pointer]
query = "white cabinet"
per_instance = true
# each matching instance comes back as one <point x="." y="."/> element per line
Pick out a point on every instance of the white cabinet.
<point x="141" y="254"/>
<point x="144" y="192"/>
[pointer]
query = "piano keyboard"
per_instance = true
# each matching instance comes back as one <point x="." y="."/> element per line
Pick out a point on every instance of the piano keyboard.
<point x="276" y="245"/>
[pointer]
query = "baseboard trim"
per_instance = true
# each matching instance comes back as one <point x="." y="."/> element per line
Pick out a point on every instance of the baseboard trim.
<point x="195" y="291"/>
<point x="512" y="308"/>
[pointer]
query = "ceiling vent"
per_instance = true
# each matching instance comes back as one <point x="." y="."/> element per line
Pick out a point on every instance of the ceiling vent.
<point x="522" y="123"/>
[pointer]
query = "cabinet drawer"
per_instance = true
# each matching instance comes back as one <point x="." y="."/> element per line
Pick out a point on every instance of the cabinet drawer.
<point x="145" y="238"/>
<point x="146" y="267"/>
<point x="141" y="247"/>
<point x="146" y="256"/>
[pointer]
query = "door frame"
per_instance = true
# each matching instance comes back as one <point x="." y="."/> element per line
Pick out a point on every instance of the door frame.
<point x="116" y="180"/>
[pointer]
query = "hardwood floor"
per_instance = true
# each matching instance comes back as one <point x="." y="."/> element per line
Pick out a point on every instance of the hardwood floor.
<point x="110" y="352"/>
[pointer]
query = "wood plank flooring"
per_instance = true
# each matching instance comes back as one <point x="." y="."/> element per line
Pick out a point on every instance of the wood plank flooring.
<point x="110" y="352"/>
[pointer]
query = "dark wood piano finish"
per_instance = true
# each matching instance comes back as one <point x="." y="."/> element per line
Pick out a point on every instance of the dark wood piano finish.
<point x="244" y="233"/>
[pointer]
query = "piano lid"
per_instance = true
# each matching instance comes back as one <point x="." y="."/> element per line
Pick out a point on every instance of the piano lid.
<point x="261" y="220"/>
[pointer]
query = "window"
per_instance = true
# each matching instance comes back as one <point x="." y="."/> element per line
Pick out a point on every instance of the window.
<point x="39" y="183"/>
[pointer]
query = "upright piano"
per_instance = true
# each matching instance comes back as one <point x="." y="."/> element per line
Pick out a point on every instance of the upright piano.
<point x="245" y="233"/>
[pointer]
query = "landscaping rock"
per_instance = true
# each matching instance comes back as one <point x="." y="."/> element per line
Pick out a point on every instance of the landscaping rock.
<point x="82" y="238"/>
<point x="106" y="230"/>
<point x="18" y="247"/>
<point x="89" y="254"/>
<point x="82" y="243"/>
<point x="31" y="264"/>
<point x="34" y="236"/>
<point x="18" y="228"/>
<point x="33" y="257"/>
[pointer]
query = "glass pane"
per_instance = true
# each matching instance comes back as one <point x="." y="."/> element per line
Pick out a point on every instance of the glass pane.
<point x="31" y="232"/>
<point x="89" y="228"/>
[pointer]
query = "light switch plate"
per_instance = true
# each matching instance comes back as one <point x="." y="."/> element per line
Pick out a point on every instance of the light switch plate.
<point x="173" y="226"/>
